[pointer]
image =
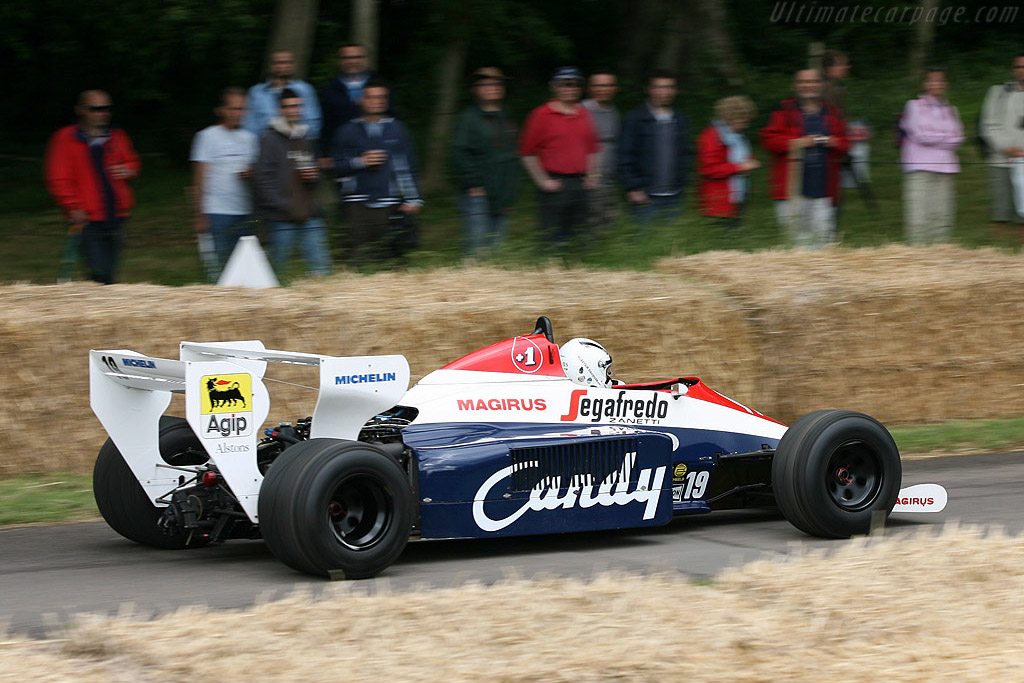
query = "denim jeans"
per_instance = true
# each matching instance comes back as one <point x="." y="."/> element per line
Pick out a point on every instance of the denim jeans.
<point x="225" y="230"/>
<point x="659" y="207"/>
<point x="312" y="239"/>
<point x="483" y="229"/>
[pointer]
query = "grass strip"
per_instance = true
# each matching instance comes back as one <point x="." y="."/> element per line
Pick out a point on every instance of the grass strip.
<point x="961" y="436"/>
<point x="46" y="498"/>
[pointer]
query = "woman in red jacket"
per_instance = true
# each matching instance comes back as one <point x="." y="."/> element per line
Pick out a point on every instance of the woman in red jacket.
<point x="724" y="160"/>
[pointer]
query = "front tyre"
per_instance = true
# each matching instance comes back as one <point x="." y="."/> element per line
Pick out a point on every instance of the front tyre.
<point x="833" y="470"/>
<point x="330" y="507"/>
<point x="123" y="502"/>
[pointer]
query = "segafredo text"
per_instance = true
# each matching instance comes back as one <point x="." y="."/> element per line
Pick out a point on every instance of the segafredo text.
<point x="631" y="410"/>
<point x="580" y="491"/>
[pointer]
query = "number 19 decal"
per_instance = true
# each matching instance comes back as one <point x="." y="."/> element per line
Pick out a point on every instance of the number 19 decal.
<point x="694" y="485"/>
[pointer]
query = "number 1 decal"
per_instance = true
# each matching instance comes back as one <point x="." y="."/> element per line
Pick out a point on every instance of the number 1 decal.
<point x="526" y="355"/>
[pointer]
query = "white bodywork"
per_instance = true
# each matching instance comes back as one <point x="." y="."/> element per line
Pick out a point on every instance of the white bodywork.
<point x="477" y="396"/>
<point x="129" y="392"/>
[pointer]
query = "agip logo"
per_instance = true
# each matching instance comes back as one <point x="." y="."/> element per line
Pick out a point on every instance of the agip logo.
<point x="227" y="400"/>
<point x="226" y="393"/>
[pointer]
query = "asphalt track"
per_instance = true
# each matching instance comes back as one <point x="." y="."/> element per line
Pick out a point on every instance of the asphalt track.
<point x="48" y="574"/>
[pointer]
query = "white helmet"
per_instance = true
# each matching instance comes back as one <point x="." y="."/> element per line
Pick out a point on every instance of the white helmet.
<point x="586" y="362"/>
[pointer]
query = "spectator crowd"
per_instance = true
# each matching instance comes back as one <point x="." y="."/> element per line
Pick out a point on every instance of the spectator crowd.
<point x="272" y="145"/>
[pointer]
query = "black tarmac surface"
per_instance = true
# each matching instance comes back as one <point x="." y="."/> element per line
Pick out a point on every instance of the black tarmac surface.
<point x="48" y="574"/>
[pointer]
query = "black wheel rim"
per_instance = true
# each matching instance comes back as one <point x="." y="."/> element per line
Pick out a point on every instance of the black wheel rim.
<point x="853" y="476"/>
<point x="359" y="512"/>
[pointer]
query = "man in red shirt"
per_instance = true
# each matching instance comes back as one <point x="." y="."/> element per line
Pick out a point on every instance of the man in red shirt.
<point x="559" y="147"/>
<point x="87" y="168"/>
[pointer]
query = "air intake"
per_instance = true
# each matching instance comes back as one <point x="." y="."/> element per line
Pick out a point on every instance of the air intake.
<point x="581" y="463"/>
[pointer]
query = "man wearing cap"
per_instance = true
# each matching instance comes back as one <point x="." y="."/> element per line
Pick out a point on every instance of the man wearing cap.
<point x="560" y="150"/>
<point x="486" y="163"/>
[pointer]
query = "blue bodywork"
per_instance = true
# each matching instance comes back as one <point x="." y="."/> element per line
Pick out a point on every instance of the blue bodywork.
<point x="478" y="480"/>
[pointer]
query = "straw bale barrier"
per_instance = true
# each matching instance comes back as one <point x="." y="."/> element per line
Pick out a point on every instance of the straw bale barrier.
<point x="653" y="323"/>
<point x="905" y="334"/>
<point x="913" y="607"/>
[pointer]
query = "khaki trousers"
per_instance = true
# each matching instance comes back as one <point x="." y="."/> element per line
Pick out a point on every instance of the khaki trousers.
<point x="929" y="208"/>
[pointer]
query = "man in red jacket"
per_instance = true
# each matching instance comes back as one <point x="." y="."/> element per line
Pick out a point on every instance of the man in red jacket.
<point x="807" y="139"/>
<point x="88" y="166"/>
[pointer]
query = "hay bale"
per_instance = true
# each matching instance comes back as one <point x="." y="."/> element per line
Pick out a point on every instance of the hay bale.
<point x="655" y="326"/>
<point x="905" y="334"/>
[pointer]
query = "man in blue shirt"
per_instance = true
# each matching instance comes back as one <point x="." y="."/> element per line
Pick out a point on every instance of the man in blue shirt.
<point x="264" y="98"/>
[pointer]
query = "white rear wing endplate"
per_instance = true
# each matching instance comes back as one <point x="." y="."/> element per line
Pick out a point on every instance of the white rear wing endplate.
<point x="226" y="404"/>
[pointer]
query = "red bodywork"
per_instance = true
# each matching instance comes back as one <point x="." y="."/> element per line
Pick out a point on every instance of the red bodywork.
<point x="516" y="357"/>
<point x="529" y="355"/>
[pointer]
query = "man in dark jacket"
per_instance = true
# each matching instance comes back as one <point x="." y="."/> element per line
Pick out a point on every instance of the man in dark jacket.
<point x="373" y="156"/>
<point x="655" y="152"/>
<point x="486" y="163"/>
<point x="284" y="181"/>
<point x="341" y="97"/>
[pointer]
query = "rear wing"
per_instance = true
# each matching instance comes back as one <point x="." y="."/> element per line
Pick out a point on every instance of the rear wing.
<point x="226" y="404"/>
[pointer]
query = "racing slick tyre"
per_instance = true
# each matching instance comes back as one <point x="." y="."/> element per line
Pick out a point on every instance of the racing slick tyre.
<point x="122" y="500"/>
<point x="341" y="509"/>
<point x="833" y="470"/>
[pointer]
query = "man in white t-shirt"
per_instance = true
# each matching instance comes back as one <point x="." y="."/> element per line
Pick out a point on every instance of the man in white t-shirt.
<point x="222" y="157"/>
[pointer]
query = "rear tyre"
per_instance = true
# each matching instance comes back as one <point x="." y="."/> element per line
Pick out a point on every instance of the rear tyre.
<point x="336" y="508"/>
<point x="833" y="470"/>
<point x="125" y="505"/>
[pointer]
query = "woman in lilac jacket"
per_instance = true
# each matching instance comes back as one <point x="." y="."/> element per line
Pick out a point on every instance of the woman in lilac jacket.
<point x="932" y="132"/>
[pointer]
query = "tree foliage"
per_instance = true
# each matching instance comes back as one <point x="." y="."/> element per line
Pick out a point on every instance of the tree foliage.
<point x="165" y="61"/>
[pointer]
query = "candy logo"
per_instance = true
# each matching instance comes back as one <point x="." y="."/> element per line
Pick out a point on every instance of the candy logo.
<point x="580" y="491"/>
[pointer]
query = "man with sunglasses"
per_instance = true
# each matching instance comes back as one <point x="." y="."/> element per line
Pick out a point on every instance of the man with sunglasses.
<point x="560" y="150"/>
<point x="88" y="166"/>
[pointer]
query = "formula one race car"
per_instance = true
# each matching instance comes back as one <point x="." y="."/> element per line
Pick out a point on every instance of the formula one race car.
<point x="521" y="437"/>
